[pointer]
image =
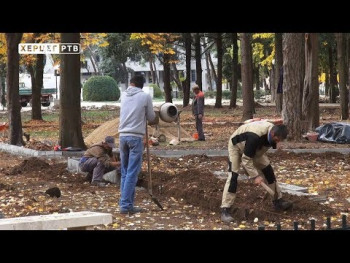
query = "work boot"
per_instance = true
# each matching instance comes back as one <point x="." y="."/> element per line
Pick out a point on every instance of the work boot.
<point x="88" y="177"/>
<point x="281" y="204"/>
<point x="225" y="216"/>
<point x="134" y="210"/>
<point x="98" y="183"/>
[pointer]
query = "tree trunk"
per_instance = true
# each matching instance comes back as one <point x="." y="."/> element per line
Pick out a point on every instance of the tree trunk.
<point x="125" y="74"/>
<point x="272" y="84"/>
<point x="310" y="106"/>
<point x="257" y="77"/>
<point x="213" y="69"/>
<point x="292" y="82"/>
<point x="187" y="87"/>
<point x="2" y="85"/>
<point x="247" y="76"/>
<point x="37" y="87"/>
<point x="197" y="43"/>
<point x="14" y="107"/>
<point x="326" y="84"/>
<point x="155" y="70"/>
<point x="175" y="76"/>
<point x="167" y="86"/>
<point x="153" y="73"/>
<point x="332" y="77"/>
<point x="233" y="99"/>
<point x="207" y="54"/>
<point x="70" y="134"/>
<point x="218" y="102"/>
<point x="279" y="64"/>
<point x="93" y="60"/>
<point x="342" y="69"/>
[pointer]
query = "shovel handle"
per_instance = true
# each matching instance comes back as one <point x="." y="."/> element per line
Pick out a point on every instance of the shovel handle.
<point x="148" y="162"/>
<point x="268" y="189"/>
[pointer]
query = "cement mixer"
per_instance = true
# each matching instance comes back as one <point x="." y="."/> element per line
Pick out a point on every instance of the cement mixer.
<point x="168" y="112"/>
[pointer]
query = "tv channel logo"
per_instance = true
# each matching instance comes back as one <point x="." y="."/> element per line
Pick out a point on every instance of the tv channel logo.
<point x="49" y="48"/>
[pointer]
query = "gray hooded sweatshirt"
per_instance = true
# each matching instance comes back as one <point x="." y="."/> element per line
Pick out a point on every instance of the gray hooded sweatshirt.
<point x="136" y="106"/>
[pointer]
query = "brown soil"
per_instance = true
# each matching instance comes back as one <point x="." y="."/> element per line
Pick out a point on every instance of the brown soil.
<point x="187" y="189"/>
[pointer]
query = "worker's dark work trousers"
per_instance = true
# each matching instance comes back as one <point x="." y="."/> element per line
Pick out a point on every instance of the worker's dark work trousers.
<point x="199" y="128"/>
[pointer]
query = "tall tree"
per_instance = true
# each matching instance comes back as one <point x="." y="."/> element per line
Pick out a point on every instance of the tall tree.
<point x="247" y="76"/>
<point x="292" y="82"/>
<point x="279" y="64"/>
<point x="207" y="54"/>
<point x="187" y="87"/>
<point x="342" y="69"/>
<point x="332" y="58"/>
<point x="36" y="71"/>
<point x="162" y="45"/>
<point x="198" y="56"/>
<point x="70" y="134"/>
<point x="310" y="106"/>
<point x="167" y="85"/>
<point x="234" y="83"/>
<point x="218" y="102"/>
<point x="14" y="107"/>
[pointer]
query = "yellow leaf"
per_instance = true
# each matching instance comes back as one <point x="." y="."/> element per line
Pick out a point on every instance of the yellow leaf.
<point x="241" y="226"/>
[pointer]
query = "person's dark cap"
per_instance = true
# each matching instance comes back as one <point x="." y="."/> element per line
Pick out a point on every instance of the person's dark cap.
<point x="110" y="141"/>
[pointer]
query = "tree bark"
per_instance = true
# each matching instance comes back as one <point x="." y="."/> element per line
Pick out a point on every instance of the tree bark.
<point x="342" y="69"/>
<point x="37" y="87"/>
<point x="333" y="90"/>
<point x="326" y="84"/>
<point x="125" y="74"/>
<point x="175" y="76"/>
<point x="247" y="76"/>
<point x="167" y="86"/>
<point x="272" y="84"/>
<point x="197" y="43"/>
<point x="292" y="82"/>
<point x="2" y="85"/>
<point x="256" y="77"/>
<point x="70" y="134"/>
<point x="233" y="99"/>
<point x="279" y="64"/>
<point x="153" y="71"/>
<point x="207" y="54"/>
<point x="213" y="69"/>
<point x="187" y="87"/>
<point x="218" y="102"/>
<point x="14" y="107"/>
<point x="310" y="106"/>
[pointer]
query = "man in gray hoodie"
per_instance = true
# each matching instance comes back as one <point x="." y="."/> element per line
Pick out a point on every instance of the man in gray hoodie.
<point x="135" y="108"/>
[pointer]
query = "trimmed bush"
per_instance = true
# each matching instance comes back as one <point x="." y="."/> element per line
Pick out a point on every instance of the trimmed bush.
<point x="226" y="94"/>
<point x="101" y="88"/>
<point x="157" y="92"/>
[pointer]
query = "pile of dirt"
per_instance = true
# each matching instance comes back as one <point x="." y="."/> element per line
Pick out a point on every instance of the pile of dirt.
<point x="200" y="187"/>
<point x="38" y="145"/>
<point x="29" y="165"/>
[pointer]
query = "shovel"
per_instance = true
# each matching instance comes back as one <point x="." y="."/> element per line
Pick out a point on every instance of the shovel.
<point x="155" y="200"/>
<point x="268" y="189"/>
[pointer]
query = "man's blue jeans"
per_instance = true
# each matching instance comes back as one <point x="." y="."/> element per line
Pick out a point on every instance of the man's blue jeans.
<point x="131" y="148"/>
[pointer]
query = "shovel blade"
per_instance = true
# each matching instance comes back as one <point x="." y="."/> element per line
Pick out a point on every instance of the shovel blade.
<point x="155" y="200"/>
